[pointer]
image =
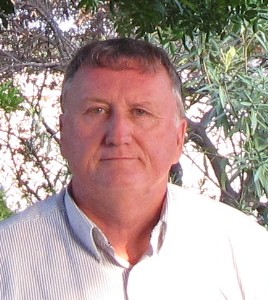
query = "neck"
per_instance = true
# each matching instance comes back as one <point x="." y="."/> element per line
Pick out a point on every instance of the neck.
<point x="127" y="218"/>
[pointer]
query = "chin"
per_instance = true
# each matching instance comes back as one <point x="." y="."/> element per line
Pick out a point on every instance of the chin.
<point x="117" y="183"/>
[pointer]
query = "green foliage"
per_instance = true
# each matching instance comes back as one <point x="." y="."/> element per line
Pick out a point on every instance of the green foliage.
<point x="10" y="97"/>
<point x="90" y="4"/>
<point x="231" y="74"/>
<point x="262" y="216"/>
<point x="239" y="96"/>
<point x="6" y="7"/>
<point x="5" y="212"/>
<point x="180" y="19"/>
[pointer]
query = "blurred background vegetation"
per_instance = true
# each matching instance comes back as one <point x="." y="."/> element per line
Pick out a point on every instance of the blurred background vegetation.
<point x="219" y="47"/>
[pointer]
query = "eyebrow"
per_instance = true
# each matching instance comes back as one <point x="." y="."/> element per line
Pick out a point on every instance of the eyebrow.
<point x="151" y="105"/>
<point x="96" y="100"/>
<point x="134" y="104"/>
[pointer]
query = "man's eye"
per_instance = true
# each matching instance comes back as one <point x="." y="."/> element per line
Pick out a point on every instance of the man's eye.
<point x="140" y="112"/>
<point x="97" y="110"/>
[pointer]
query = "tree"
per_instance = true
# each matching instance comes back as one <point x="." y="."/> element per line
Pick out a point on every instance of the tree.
<point x="5" y="212"/>
<point x="37" y="42"/>
<point x="10" y="99"/>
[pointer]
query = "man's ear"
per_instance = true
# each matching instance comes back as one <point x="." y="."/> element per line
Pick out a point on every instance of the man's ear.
<point x="182" y="129"/>
<point x="181" y="132"/>
<point x="60" y="121"/>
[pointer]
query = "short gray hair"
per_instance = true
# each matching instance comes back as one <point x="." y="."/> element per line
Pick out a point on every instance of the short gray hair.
<point x="119" y="54"/>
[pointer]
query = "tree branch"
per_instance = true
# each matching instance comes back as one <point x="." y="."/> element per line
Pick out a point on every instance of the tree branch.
<point x="197" y="134"/>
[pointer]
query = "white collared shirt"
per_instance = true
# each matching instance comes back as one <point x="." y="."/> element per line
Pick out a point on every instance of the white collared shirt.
<point x="200" y="249"/>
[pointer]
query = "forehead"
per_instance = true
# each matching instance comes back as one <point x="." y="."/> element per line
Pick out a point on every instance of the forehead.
<point x="121" y="63"/>
<point x="127" y="81"/>
<point x="107" y="83"/>
<point x="92" y="75"/>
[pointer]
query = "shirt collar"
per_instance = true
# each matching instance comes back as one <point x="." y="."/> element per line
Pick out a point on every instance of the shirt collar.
<point x="81" y="225"/>
<point x="159" y="231"/>
<point x="89" y="234"/>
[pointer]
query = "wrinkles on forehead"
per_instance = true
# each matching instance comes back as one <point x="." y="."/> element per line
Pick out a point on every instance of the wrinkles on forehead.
<point x="122" y="63"/>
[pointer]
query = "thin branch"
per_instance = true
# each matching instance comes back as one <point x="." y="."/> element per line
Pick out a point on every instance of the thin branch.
<point x="218" y="162"/>
<point x="51" y="132"/>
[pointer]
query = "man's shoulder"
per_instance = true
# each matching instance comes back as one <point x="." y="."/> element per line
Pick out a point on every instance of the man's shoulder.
<point x="205" y="211"/>
<point x="187" y="198"/>
<point x="228" y="241"/>
<point x="39" y="211"/>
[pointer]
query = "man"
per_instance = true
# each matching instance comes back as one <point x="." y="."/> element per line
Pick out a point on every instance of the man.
<point x="120" y="230"/>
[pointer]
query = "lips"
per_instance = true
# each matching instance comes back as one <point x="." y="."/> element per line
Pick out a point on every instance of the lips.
<point x="118" y="158"/>
<point x="119" y="155"/>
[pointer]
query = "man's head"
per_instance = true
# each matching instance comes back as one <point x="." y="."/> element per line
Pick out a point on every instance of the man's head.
<point x="123" y="123"/>
<point x="120" y="54"/>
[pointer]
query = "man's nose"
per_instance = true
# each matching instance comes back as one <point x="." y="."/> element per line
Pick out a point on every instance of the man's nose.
<point x="119" y="130"/>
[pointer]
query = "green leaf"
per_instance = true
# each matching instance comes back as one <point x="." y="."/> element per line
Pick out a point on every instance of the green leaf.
<point x="229" y="58"/>
<point x="254" y="122"/>
<point x="5" y="212"/>
<point x="222" y="95"/>
<point x="10" y="97"/>
<point x="90" y="5"/>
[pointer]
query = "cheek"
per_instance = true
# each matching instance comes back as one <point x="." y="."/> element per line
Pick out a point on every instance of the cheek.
<point x="172" y="147"/>
<point x="66" y="144"/>
<point x="70" y="138"/>
<point x="79" y="142"/>
<point x="71" y="130"/>
<point x="164" y="148"/>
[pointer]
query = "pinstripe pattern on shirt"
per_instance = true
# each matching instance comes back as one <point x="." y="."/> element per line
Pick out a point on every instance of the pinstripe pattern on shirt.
<point x="52" y="251"/>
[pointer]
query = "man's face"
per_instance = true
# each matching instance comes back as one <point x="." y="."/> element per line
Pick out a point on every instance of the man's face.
<point x="120" y="129"/>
